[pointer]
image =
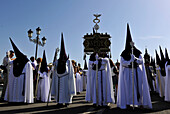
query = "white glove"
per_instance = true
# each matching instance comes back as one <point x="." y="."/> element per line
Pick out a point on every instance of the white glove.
<point x="133" y="58"/>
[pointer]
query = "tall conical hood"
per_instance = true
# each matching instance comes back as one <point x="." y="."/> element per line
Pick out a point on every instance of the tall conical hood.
<point x="128" y="38"/>
<point x="126" y="54"/>
<point x="157" y="58"/>
<point x="162" y="63"/>
<point x="61" y="67"/>
<point x="19" y="62"/>
<point x="166" y="55"/>
<point x="162" y="55"/>
<point x="85" y="65"/>
<point x="44" y="64"/>
<point x="146" y="56"/>
<point x="63" y="55"/>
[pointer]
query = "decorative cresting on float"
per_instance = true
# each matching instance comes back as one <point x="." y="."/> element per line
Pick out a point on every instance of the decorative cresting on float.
<point x="96" y="42"/>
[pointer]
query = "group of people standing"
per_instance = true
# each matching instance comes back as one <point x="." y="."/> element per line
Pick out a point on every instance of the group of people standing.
<point x="130" y="80"/>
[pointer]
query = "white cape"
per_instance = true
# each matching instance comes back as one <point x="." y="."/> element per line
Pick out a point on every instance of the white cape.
<point x="67" y="86"/>
<point x="43" y="87"/>
<point x="106" y="86"/>
<point x="15" y="86"/>
<point x="124" y="95"/>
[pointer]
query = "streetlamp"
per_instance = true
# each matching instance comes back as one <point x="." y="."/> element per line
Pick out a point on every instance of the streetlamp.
<point x="36" y="40"/>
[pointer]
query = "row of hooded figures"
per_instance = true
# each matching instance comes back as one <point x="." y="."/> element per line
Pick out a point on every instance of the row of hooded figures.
<point x="131" y="80"/>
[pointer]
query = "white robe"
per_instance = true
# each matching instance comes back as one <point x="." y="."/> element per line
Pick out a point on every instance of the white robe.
<point x="15" y="86"/>
<point x="79" y="83"/>
<point x="125" y="91"/>
<point x="67" y="86"/>
<point x="106" y="86"/>
<point x="167" y="84"/>
<point x="43" y="87"/>
<point x="161" y="82"/>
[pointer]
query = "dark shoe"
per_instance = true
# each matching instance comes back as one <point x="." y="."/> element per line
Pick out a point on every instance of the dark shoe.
<point x="66" y="104"/>
<point x="59" y="105"/>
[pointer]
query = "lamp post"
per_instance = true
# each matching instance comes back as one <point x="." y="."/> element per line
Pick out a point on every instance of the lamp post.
<point x="36" y="40"/>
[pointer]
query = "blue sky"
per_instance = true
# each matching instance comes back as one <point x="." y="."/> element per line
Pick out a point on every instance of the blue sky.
<point x="149" y="22"/>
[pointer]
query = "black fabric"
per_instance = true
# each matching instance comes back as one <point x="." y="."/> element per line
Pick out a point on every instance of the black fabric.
<point x="157" y="58"/>
<point x="85" y="65"/>
<point x="162" y="63"/>
<point x="61" y="67"/>
<point x="99" y="64"/>
<point x="19" y="62"/>
<point x="44" y="64"/>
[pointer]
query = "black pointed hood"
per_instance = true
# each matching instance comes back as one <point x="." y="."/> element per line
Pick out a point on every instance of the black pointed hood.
<point x="126" y="54"/>
<point x="153" y="64"/>
<point x="63" y="54"/>
<point x="157" y="58"/>
<point x="162" y="55"/>
<point x="44" y="64"/>
<point x="146" y="56"/>
<point x="162" y="63"/>
<point x="166" y="55"/>
<point x="63" y="57"/>
<point x="85" y="65"/>
<point x="19" y="62"/>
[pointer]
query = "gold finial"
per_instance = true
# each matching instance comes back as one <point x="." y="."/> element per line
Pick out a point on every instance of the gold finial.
<point x="96" y="20"/>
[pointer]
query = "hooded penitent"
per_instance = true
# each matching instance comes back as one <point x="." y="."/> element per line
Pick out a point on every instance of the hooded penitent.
<point x="44" y="64"/>
<point x="126" y="54"/>
<point x="61" y="67"/>
<point x="19" y="62"/>
<point x="146" y="56"/>
<point x="162" y="63"/>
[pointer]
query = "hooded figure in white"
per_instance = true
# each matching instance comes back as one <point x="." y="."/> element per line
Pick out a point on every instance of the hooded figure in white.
<point x="105" y="86"/>
<point x="44" y="81"/>
<point x="63" y="81"/>
<point x="20" y="81"/>
<point x="167" y="78"/>
<point x="125" y="89"/>
<point x="160" y="71"/>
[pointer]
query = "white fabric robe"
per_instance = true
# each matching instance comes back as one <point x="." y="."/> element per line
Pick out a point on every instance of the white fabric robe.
<point x="15" y="87"/>
<point x="79" y="83"/>
<point x="167" y="84"/>
<point x="161" y="82"/>
<point x="43" y="87"/>
<point x="125" y="91"/>
<point x="67" y="85"/>
<point x="107" y="85"/>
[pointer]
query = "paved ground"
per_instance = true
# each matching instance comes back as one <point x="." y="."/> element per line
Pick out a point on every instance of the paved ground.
<point x="81" y="106"/>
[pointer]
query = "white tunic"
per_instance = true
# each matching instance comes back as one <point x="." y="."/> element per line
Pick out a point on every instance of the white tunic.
<point x="167" y="84"/>
<point x="63" y="85"/>
<point x="161" y="82"/>
<point x="125" y="91"/>
<point x="43" y="87"/>
<point x="79" y="83"/>
<point x="105" y="88"/>
<point x="16" y="84"/>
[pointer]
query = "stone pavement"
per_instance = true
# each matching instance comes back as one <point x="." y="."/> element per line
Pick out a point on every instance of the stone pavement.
<point x="80" y="106"/>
